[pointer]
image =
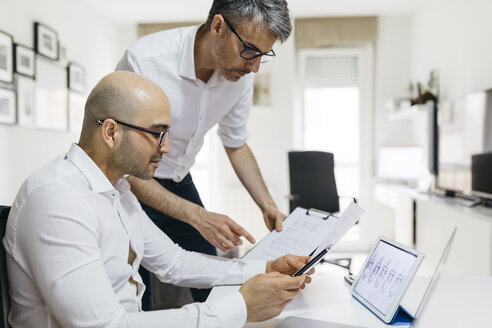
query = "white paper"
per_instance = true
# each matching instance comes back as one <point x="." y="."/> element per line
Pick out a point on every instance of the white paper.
<point x="301" y="234"/>
<point x="348" y="218"/>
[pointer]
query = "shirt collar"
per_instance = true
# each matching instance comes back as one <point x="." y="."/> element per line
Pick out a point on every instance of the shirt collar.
<point x="187" y="60"/>
<point x="96" y="178"/>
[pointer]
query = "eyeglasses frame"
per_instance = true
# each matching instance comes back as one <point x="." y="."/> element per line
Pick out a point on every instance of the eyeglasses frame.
<point x="246" y="46"/>
<point x="161" y="135"/>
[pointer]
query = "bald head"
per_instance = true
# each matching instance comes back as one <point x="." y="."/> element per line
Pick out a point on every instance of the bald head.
<point x="133" y="113"/>
<point x="122" y="96"/>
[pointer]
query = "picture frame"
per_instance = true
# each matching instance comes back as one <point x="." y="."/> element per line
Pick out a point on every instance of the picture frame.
<point x="26" y="90"/>
<point x="75" y="77"/>
<point x="8" y="108"/>
<point x="261" y="90"/>
<point x="24" y="60"/>
<point x="46" y="41"/>
<point x="51" y="97"/>
<point x="6" y="57"/>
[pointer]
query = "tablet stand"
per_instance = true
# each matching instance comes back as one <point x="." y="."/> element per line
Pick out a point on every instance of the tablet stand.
<point x="401" y="317"/>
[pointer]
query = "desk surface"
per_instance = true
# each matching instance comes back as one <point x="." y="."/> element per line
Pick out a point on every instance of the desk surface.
<point x="454" y="302"/>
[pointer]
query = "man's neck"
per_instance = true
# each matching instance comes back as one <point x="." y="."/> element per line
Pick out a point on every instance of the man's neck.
<point x="104" y="164"/>
<point x="202" y="53"/>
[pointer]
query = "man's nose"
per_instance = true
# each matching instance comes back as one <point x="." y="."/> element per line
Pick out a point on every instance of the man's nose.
<point x="166" y="147"/>
<point x="254" y="64"/>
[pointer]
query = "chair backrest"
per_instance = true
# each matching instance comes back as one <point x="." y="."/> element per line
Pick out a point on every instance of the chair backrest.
<point x="312" y="181"/>
<point x="5" y="306"/>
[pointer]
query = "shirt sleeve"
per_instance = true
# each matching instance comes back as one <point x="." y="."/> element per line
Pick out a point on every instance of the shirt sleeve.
<point x="61" y="254"/>
<point x="174" y="265"/>
<point x="128" y="62"/>
<point x="233" y="130"/>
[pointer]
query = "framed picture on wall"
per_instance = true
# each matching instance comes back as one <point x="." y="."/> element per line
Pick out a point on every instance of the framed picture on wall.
<point x="46" y="41"/>
<point x="7" y="106"/>
<point x="51" y="98"/>
<point x="261" y="90"/>
<point x="76" y="77"/>
<point x="25" y="101"/>
<point x="24" y="62"/>
<point x="6" y="58"/>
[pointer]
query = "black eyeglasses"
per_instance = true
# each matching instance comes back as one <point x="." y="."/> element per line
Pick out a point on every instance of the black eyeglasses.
<point x="251" y="52"/>
<point x="161" y="135"/>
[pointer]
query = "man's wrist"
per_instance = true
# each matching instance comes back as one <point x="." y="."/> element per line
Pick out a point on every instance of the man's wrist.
<point x="268" y="267"/>
<point x="196" y="213"/>
<point x="269" y="207"/>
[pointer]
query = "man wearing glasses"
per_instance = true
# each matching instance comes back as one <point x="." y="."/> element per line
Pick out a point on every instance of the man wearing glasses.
<point x="76" y="235"/>
<point x="206" y="73"/>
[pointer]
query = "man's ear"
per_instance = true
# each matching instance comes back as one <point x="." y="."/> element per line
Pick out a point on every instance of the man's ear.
<point x="218" y="25"/>
<point x="111" y="133"/>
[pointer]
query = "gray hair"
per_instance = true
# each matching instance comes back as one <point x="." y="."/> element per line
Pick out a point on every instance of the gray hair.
<point x="273" y="13"/>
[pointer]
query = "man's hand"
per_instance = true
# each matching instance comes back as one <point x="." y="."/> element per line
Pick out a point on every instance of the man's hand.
<point x="266" y="295"/>
<point x="220" y="230"/>
<point x="288" y="265"/>
<point x="273" y="218"/>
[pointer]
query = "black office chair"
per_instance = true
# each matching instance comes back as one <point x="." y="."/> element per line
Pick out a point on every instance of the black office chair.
<point x="312" y="185"/>
<point x="5" y="306"/>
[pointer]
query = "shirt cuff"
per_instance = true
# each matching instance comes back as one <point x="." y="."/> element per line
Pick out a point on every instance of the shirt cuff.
<point x="233" y="142"/>
<point x="253" y="267"/>
<point x="232" y="310"/>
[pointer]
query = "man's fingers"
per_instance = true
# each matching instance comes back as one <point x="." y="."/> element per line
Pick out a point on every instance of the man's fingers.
<point x="296" y="261"/>
<point x="293" y="283"/>
<point x="240" y="231"/>
<point x="219" y="245"/>
<point x="225" y="243"/>
<point x="278" y="224"/>
<point x="231" y="236"/>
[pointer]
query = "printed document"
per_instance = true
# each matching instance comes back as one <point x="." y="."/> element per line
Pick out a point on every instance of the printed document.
<point x="303" y="231"/>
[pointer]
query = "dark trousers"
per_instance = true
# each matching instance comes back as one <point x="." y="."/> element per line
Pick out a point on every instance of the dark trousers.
<point x="181" y="233"/>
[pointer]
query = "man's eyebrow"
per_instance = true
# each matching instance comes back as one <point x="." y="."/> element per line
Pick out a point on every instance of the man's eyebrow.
<point x="252" y="46"/>
<point x="163" y="126"/>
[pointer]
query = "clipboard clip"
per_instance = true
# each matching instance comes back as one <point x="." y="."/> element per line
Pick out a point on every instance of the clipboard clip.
<point x="325" y="215"/>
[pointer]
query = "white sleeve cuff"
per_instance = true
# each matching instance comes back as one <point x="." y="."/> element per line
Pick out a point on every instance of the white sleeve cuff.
<point x="253" y="267"/>
<point x="232" y="310"/>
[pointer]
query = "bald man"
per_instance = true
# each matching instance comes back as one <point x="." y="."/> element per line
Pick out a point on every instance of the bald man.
<point x="76" y="235"/>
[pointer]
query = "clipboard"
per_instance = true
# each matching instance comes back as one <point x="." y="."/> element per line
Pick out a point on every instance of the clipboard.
<point x="304" y="232"/>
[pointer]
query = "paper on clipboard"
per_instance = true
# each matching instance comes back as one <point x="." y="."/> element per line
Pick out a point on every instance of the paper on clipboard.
<point x="301" y="234"/>
<point x="348" y="218"/>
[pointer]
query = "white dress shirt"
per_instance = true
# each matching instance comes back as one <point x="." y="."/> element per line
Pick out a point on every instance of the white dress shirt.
<point x="67" y="241"/>
<point x="167" y="59"/>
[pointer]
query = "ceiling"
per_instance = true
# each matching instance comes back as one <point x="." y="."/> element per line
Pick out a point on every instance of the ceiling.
<point x="145" y="11"/>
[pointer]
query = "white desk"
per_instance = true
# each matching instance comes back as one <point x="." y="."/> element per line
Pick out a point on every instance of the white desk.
<point x="455" y="302"/>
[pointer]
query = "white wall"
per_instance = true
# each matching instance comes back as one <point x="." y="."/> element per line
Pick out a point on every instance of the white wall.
<point x="91" y="39"/>
<point x="392" y="77"/>
<point x="454" y="37"/>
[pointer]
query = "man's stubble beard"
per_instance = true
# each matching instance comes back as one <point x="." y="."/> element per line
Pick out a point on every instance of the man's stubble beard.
<point x="218" y="55"/>
<point x="130" y="162"/>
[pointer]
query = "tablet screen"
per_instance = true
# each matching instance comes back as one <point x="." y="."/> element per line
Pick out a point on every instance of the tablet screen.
<point x="384" y="274"/>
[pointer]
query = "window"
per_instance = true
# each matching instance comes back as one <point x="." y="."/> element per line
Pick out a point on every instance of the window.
<point x="330" y="92"/>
